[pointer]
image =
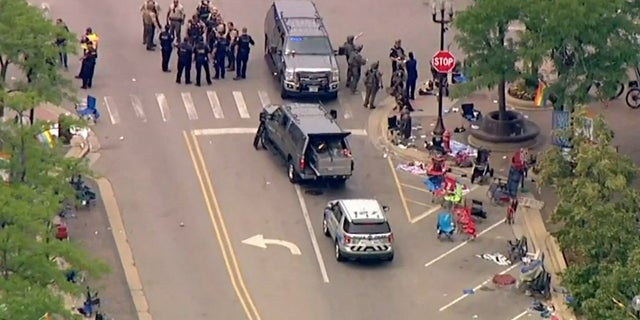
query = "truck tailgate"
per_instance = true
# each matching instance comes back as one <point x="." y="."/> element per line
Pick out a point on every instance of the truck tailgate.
<point x="326" y="165"/>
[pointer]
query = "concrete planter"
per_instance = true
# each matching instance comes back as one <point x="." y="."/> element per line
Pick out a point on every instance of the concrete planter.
<point x="525" y="104"/>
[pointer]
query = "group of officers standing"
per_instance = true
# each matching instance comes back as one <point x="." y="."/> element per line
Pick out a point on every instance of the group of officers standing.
<point x="206" y="36"/>
<point x="404" y="73"/>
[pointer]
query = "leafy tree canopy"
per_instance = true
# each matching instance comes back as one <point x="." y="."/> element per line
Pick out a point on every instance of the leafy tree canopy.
<point x="31" y="280"/>
<point x="28" y="42"/>
<point x="587" y="41"/>
<point x="482" y="35"/>
<point x="597" y="209"/>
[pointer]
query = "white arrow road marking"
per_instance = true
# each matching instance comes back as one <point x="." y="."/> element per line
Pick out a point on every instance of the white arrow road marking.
<point x="260" y="242"/>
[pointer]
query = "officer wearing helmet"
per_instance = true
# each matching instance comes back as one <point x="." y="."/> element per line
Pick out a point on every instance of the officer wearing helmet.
<point x="356" y="61"/>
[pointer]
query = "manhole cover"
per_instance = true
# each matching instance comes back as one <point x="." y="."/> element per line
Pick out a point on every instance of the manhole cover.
<point x="504" y="279"/>
<point x="313" y="192"/>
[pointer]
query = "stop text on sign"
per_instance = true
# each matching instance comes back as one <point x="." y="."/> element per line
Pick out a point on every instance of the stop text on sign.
<point x="443" y="61"/>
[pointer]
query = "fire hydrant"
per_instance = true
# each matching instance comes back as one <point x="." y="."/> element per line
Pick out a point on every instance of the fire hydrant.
<point x="446" y="141"/>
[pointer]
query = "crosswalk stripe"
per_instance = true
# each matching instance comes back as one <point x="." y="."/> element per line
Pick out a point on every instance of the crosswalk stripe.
<point x="112" y="110"/>
<point x="264" y="98"/>
<point x="215" y="104"/>
<point x="189" y="105"/>
<point x="241" y="105"/>
<point x="164" y="106"/>
<point x="137" y="107"/>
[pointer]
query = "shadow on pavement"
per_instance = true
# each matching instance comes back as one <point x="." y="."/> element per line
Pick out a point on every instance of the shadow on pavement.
<point x="90" y="227"/>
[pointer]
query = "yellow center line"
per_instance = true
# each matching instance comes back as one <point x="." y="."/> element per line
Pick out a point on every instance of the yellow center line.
<point x="399" y="187"/>
<point x="228" y="254"/>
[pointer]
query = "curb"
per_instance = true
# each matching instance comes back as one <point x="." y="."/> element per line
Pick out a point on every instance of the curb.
<point x="547" y="244"/>
<point x="124" y="249"/>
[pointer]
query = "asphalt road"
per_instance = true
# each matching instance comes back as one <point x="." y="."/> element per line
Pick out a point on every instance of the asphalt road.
<point x="197" y="272"/>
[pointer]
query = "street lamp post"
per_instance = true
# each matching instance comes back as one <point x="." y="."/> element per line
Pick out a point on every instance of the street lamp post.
<point x="443" y="15"/>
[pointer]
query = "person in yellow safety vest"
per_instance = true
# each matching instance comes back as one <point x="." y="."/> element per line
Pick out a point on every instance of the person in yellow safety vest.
<point x="456" y="196"/>
<point x="89" y="36"/>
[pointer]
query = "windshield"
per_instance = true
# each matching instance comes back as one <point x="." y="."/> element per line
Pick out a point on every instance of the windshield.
<point x="308" y="45"/>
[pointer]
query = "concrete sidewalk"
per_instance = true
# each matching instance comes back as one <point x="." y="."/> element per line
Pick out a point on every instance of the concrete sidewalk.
<point x="528" y="219"/>
<point x="130" y="278"/>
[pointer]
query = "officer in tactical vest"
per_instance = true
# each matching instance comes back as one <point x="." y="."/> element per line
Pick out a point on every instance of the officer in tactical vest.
<point x="150" y="22"/>
<point x="257" y="140"/>
<point x="202" y="61"/>
<point x="204" y="11"/>
<point x="220" y="55"/>
<point x="347" y="49"/>
<point x="372" y="83"/>
<point x="166" y="45"/>
<point x="232" y="38"/>
<point x="243" y="48"/>
<point x="175" y="19"/>
<point x="185" y="55"/>
<point x="356" y="61"/>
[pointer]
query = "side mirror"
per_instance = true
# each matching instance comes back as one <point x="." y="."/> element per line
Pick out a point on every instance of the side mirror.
<point x="385" y="208"/>
<point x="333" y="114"/>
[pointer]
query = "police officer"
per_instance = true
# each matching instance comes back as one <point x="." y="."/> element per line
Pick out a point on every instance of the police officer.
<point x="166" y="44"/>
<point x="242" y="54"/>
<point x="232" y="38"/>
<point x="356" y="61"/>
<point x="372" y="83"/>
<point x="201" y="52"/>
<point x="220" y="55"/>
<point x="204" y="11"/>
<point x="258" y="139"/>
<point x="88" y="66"/>
<point x="185" y="55"/>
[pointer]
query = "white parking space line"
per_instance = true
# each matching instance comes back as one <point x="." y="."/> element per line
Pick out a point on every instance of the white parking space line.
<point x="419" y="203"/>
<point x="524" y="313"/>
<point x="137" y="108"/>
<point x="163" y="105"/>
<point x="312" y="235"/>
<point x="425" y="214"/>
<point x="241" y="105"/>
<point x="189" y="106"/>
<point x="415" y="188"/>
<point x="264" y="98"/>
<point x="462" y="297"/>
<point x="228" y="131"/>
<point x="462" y="244"/>
<point x="112" y="109"/>
<point x="215" y="104"/>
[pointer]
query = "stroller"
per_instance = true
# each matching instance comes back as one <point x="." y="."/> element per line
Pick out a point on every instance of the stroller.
<point x="535" y="279"/>
<point x="88" y="109"/>
<point x="481" y="168"/>
<point x="445" y="226"/>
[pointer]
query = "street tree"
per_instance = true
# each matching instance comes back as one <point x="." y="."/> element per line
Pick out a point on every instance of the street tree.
<point x="491" y="56"/>
<point x="597" y="210"/>
<point x="28" y="44"/>
<point x="32" y="280"/>
<point x="590" y="43"/>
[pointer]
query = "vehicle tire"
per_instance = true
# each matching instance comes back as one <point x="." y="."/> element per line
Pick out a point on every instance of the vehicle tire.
<point x="338" y="253"/>
<point x="389" y="258"/>
<point x="325" y="228"/>
<point x="633" y="98"/>
<point x="291" y="172"/>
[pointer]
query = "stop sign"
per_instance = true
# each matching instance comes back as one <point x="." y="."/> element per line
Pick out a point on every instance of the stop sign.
<point x="443" y="61"/>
